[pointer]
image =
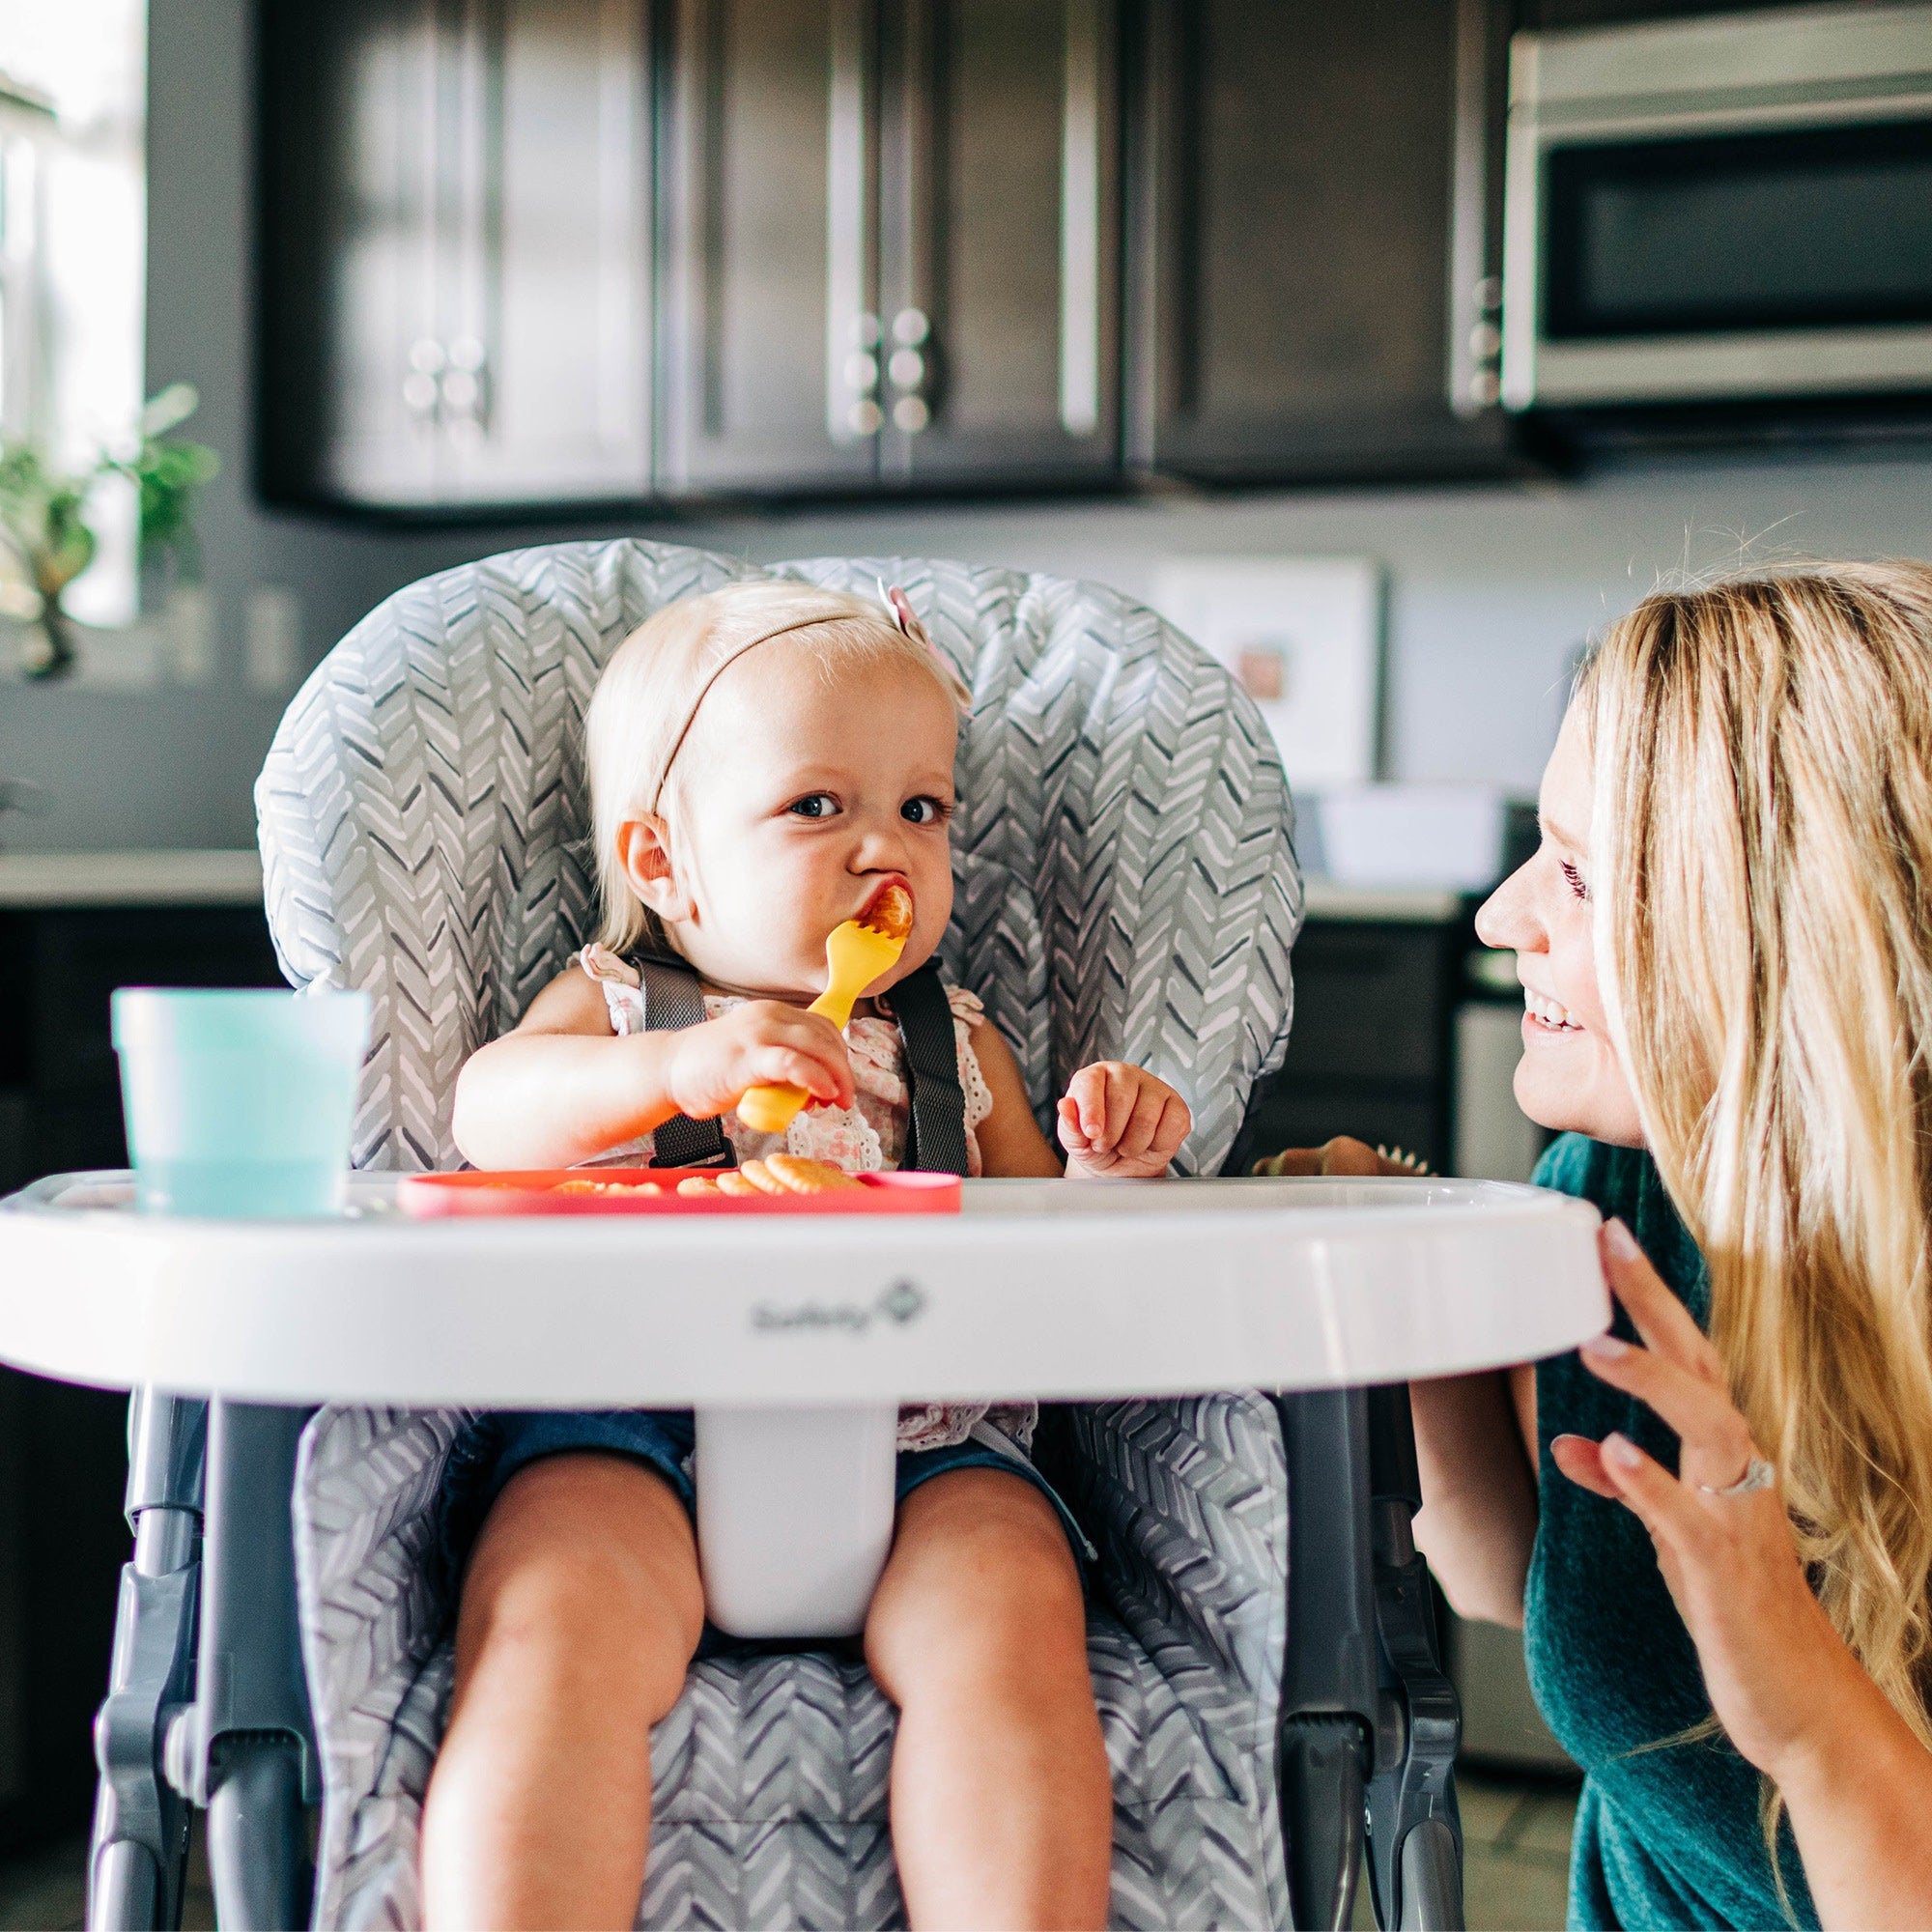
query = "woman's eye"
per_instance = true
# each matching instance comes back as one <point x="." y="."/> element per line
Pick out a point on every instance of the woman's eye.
<point x="924" y="811"/>
<point x="1573" y="879"/>
<point x="815" y="805"/>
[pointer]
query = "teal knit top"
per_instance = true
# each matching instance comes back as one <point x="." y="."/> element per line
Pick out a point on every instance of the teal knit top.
<point x="1667" y="1837"/>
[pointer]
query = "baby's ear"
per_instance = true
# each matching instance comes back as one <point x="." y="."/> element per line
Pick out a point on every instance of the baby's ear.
<point x="643" y="849"/>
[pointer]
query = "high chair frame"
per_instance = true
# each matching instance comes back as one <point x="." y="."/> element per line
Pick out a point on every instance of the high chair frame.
<point x="470" y="683"/>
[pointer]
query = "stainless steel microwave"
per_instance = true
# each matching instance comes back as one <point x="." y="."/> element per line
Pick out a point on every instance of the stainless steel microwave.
<point x="1724" y="209"/>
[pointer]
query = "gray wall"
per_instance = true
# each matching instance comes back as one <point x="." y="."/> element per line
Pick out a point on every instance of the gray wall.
<point x="1492" y="590"/>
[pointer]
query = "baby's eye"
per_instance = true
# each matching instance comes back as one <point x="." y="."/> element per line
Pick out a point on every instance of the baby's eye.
<point x="925" y="811"/>
<point x="1573" y="879"/>
<point x="814" y="804"/>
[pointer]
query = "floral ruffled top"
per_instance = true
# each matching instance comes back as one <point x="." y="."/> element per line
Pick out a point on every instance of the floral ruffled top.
<point x="868" y="1137"/>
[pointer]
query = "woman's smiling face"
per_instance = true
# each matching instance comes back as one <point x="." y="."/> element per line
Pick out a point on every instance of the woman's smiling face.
<point x="1570" y="1078"/>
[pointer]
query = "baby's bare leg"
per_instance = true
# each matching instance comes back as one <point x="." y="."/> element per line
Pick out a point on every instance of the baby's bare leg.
<point x="1002" y="1801"/>
<point x="580" y="1609"/>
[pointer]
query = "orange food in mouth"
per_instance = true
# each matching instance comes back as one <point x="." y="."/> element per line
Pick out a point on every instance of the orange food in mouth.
<point x="891" y="913"/>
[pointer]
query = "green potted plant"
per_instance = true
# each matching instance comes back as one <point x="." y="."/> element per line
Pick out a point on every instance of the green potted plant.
<point x="47" y="540"/>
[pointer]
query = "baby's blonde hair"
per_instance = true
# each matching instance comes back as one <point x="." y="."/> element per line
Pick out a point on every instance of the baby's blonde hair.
<point x="652" y="689"/>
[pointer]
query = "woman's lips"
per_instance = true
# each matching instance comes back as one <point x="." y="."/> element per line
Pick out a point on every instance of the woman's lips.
<point x="1543" y="1014"/>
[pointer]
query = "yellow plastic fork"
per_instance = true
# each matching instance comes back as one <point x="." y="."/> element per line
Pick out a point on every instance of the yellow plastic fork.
<point x="856" y="954"/>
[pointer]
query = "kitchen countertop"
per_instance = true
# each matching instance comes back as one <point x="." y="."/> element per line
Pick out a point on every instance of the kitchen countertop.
<point x="1412" y="905"/>
<point x="72" y="880"/>
<point x="30" y="879"/>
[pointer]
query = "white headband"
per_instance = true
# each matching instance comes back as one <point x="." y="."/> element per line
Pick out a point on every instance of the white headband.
<point x="897" y="606"/>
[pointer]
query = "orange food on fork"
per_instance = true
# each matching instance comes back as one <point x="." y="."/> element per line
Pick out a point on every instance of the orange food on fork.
<point x="891" y="913"/>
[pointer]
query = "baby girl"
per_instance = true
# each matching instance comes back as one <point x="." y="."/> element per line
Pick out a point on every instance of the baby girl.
<point x="763" y="763"/>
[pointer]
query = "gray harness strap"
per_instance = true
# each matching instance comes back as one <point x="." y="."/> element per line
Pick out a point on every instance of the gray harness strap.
<point x="673" y="1000"/>
<point x="935" y="1135"/>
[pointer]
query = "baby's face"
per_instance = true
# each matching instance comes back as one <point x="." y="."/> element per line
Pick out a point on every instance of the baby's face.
<point x="798" y="796"/>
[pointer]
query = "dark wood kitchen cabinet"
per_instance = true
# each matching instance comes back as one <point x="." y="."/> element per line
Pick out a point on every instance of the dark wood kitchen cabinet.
<point x="551" y="252"/>
<point x="454" y="238"/>
<point x="1315" y="234"/>
<point x="767" y="301"/>
<point x="889" y="252"/>
<point x="1000" y="242"/>
<point x="1371" y="1050"/>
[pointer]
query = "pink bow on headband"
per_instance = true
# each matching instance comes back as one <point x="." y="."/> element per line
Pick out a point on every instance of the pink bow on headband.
<point x="903" y="614"/>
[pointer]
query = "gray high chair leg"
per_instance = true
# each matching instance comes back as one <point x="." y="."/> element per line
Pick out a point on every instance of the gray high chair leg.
<point x="1368" y="1722"/>
<point x="207" y="1701"/>
<point x="139" y="1849"/>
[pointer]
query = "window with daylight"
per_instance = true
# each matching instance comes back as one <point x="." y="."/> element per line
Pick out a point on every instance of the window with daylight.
<point x="74" y="254"/>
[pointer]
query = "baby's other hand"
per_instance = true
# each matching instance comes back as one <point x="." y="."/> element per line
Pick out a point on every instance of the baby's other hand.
<point x="1340" y="1155"/>
<point x="1121" y="1121"/>
<point x="761" y="1043"/>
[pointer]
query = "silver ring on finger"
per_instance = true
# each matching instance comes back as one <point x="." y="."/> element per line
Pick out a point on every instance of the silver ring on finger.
<point x="1759" y="1474"/>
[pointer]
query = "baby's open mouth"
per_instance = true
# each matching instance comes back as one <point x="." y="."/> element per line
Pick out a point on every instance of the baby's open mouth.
<point x="1546" y="1013"/>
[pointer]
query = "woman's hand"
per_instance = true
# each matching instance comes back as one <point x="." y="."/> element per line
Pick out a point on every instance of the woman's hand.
<point x="763" y="1042"/>
<point x="1778" y="1675"/>
<point x="1788" y="1691"/>
<point x="1121" y="1121"/>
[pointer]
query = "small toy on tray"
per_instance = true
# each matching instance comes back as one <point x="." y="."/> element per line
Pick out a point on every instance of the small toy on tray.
<point x="781" y="1183"/>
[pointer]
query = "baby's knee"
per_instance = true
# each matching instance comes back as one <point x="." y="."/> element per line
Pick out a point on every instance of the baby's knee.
<point x="585" y="1558"/>
<point x="982" y="1589"/>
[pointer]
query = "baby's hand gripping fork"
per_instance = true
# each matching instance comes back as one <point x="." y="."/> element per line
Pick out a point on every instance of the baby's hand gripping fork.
<point x="856" y="954"/>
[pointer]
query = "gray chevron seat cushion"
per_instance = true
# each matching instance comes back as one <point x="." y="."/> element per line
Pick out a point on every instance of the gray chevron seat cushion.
<point x="1126" y="886"/>
<point x="771" y="1774"/>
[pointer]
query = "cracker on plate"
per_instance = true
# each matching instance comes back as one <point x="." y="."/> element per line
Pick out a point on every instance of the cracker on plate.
<point x="798" y="1174"/>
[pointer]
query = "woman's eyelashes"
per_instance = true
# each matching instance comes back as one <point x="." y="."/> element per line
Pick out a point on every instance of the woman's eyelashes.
<point x="1573" y="879"/>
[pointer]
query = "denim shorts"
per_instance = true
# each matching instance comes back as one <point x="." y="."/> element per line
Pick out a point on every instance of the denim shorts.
<point x="491" y="1449"/>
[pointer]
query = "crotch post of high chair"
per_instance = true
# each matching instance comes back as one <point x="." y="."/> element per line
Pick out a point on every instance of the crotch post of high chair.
<point x="794" y="1515"/>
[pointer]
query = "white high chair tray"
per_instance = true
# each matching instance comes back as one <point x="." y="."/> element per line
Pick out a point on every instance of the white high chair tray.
<point x="1039" y="1288"/>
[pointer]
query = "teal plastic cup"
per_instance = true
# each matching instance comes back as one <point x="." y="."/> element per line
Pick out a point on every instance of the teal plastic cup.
<point x="239" y="1103"/>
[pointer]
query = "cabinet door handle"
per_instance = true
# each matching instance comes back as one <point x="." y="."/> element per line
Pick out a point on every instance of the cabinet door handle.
<point x="421" y="391"/>
<point x="849" y="325"/>
<point x="1080" y="223"/>
<point x="1474" y="295"/>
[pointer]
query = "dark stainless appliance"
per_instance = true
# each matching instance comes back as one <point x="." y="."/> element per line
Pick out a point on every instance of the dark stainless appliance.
<point x="1724" y="209"/>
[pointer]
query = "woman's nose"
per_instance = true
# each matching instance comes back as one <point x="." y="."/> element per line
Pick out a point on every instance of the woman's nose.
<point x="1506" y="919"/>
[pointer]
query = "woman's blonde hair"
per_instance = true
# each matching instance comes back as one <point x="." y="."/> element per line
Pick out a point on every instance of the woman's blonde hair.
<point x="1762" y="851"/>
<point x="651" y="691"/>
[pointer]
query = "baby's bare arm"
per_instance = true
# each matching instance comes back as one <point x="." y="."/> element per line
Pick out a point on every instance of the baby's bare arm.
<point x="1010" y="1142"/>
<point x="561" y="1086"/>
